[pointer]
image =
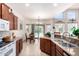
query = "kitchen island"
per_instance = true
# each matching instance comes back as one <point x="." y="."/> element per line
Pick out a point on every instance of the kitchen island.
<point x="54" y="47"/>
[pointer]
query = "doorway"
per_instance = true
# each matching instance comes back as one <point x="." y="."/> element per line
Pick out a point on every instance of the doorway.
<point x="39" y="31"/>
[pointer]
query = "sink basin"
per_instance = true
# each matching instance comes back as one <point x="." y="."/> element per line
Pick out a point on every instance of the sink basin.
<point x="68" y="45"/>
<point x="65" y="44"/>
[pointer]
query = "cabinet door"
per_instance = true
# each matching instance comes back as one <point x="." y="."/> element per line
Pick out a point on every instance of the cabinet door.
<point x="42" y="44"/>
<point x="59" y="50"/>
<point x="5" y="12"/>
<point x="15" y="27"/>
<point x="47" y="46"/>
<point x="17" y="48"/>
<point x="0" y="10"/>
<point x="21" y="44"/>
<point x="58" y="53"/>
<point x="53" y="49"/>
<point x="11" y="21"/>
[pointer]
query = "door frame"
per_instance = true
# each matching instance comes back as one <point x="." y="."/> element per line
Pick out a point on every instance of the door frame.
<point x="43" y="29"/>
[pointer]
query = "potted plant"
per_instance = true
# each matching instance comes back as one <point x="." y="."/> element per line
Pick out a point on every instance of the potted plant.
<point x="48" y="34"/>
<point x="76" y="32"/>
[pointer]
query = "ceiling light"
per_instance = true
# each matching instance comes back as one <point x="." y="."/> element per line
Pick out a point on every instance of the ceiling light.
<point x="27" y="4"/>
<point x="55" y="4"/>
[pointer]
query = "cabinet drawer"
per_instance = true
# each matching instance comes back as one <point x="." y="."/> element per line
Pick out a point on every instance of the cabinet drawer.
<point x="58" y="53"/>
<point x="59" y="49"/>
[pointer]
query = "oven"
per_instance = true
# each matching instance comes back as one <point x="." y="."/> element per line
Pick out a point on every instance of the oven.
<point x="8" y="50"/>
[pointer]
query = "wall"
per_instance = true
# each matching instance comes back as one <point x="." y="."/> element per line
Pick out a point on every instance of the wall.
<point x="21" y="20"/>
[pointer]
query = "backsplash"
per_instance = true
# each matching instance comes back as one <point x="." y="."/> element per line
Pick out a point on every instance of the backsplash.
<point x="5" y="33"/>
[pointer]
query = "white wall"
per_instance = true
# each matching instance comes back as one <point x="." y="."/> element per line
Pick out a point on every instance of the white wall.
<point x="22" y="20"/>
<point x="18" y="32"/>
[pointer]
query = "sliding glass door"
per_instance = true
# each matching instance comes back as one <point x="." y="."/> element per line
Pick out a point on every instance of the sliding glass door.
<point x="38" y="31"/>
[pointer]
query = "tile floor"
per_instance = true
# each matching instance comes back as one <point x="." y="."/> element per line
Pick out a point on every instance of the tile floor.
<point x="32" y="49"/>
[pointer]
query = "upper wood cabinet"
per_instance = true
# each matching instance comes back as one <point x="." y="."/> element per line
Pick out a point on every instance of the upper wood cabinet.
<point x="15" y="20"/>
<point x="0" y="11"/>
<point x="4" y="11"/>
<point x="6" y="14"/>
<point x="11" y="16"/>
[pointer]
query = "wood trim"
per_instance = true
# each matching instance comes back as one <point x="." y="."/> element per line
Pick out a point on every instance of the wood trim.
<point x="0" y="10"/>
<point x="5" y="5"/>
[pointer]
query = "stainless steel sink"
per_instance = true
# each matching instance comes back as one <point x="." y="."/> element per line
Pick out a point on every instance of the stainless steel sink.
<point x="68" y="45"/>
<point x="65" y="44"/>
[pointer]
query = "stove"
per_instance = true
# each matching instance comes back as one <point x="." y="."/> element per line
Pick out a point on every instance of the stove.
<point x="2" y="44"/>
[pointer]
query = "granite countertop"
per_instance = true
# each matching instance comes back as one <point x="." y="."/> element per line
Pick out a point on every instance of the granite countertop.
<point x="17" y="38"/>
<point x="6" y="43"/>
<point x="73" y="51"/>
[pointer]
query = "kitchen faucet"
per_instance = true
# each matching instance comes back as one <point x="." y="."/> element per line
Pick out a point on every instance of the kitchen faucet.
<point x="66" y="35"/>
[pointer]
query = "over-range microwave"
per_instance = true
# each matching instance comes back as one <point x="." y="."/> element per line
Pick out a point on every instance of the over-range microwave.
<point x="4" y="25"/>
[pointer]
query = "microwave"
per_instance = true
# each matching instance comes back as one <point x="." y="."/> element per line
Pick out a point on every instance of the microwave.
<point x="4" y="25"/>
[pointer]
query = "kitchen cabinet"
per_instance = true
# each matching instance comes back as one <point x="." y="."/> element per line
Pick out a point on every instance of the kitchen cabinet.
<point x="19" y="46"/>
<point x="45" y="46"/>
<point x="15" y="23"/>
<point x="0" y="11"/>
<point x="4" y="11"/>
<point x="6" y="14"/>
<point x="59" y="51"/>
<point x="11" y="21"/>
<point x="53" y="49"/>
<point x="49" y="47"/>
<point x="42" y="45"/>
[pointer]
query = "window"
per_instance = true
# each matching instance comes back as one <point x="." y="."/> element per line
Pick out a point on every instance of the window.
<point x="71" y="14"/>
<point x="48" y="28"/>
<point x="59" y="28"/>
<point x="70" y="26"/>
<point x="59" y="16"/>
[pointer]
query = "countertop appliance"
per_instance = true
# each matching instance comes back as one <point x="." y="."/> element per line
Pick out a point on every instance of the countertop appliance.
<point x="4" y="25"/>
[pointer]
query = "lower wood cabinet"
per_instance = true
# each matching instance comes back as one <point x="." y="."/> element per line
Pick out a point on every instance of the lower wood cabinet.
<point x="42" y="45"/>
<point x="19" y="46"/>
<point x="45" y="46"/>
<point x="59" y="51"/>
<point x="53" y="48"/>
<point x="49" y="47"/>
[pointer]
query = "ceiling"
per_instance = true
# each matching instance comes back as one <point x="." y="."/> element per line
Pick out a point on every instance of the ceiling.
<point x="39" y="10"/>
<point x="75" y="6"/>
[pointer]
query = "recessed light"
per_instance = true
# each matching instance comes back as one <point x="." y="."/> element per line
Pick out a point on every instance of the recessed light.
<point x="27" y="4"/>
<point x="55" y="4"/>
